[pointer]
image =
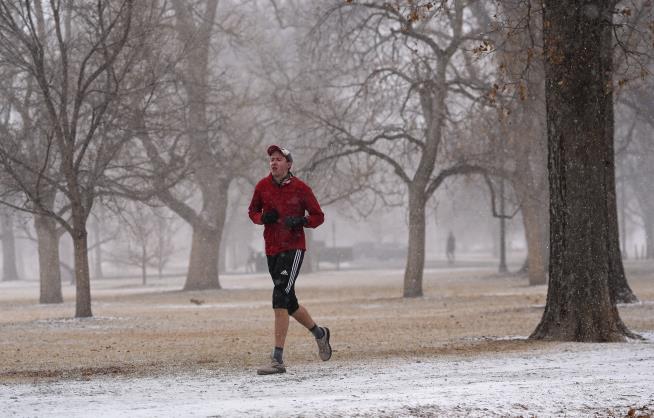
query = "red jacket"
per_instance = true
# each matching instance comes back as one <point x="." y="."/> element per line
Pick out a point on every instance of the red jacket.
<point x="292" y="198"/>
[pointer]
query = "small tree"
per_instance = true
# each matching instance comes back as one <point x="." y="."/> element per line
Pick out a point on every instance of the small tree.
<point x="148" y="239"/>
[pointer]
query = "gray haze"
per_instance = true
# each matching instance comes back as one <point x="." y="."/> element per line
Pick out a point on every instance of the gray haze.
<point x="199" y="101"/>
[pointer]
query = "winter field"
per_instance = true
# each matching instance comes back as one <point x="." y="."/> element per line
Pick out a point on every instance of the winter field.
<point x="461" y="350"/>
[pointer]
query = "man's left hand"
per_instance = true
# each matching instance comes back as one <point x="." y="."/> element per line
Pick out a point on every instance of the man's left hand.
<point x="295" y="221"/>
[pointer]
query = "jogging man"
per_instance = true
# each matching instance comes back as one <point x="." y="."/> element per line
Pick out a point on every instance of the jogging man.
<point x="281" y="202"/>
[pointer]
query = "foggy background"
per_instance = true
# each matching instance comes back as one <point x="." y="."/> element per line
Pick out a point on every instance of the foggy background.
<point x="282" y="72"/>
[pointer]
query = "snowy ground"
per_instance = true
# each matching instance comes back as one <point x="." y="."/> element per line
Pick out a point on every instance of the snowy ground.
<point x="559" y="380"/>
<point x="154" y="351"/>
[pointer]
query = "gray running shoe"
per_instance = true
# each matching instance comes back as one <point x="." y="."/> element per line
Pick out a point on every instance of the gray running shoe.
<point x="324" y="349"/>
<point x="273" y="367"/>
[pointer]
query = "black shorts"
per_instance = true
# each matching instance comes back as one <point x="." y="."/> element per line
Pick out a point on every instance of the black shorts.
<point x="284" y="268"/>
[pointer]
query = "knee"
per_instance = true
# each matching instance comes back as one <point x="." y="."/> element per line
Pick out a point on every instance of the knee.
<point x="282" y="300"/>
<point x="292" y="307"/>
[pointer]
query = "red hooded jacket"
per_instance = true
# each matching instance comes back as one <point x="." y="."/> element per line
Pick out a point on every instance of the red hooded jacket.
<point x="292" y="198"/>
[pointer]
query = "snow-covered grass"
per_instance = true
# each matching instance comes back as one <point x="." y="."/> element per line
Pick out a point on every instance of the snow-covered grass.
<point x="458" y="351"/>
<point x="558" y="380"/>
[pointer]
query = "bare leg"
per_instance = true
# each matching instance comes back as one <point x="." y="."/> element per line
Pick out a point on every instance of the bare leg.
<point x="324" y="349"/>
<point x="302" y="316"/>
<point x="281" y="327"/>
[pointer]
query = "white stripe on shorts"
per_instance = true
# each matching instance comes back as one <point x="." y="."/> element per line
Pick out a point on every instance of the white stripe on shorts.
<point x="291" y="279"/>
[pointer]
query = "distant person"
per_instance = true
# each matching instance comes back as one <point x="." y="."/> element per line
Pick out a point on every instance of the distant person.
<point x="251" y="263"/>
<point x="450" y="248"/>
<point x="279" y="202"/>
<point x="262" y="262"/>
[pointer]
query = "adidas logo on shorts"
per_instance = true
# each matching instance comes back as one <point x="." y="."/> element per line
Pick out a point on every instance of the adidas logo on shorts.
<point x="284" y="273"/>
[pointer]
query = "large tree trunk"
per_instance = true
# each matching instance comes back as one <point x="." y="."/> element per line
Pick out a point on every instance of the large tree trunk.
<point x="205" y="245"/>
<point x="48" y="249"/>
<point x="432" y="100"/>
<point x="79" y="235"/>
<point x="82" y="274"/>
<point x="578" y="68"/>
<point x="415" y="262"/>
<point x="209" y="222"/>
<point x="9" y="270"/>
<point x="203" y="265"/>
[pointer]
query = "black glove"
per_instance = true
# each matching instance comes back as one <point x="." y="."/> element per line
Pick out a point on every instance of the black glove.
<point x="295" y="221"/>
<point x="270" y="217"/>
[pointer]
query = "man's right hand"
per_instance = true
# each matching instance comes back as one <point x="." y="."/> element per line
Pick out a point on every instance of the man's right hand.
<point x="270" y="217"/>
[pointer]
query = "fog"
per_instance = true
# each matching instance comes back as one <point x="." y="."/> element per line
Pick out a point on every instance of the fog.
<point x="342" y="97"/>
<point x="485" y="170"/>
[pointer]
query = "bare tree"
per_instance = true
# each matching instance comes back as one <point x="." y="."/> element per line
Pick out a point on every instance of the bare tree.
<point x="214" y="131"/>
<point x="517" y="94"/>
<point x="147" y="239"/>
<point x="79" y="60"/>
<point x="393" y="72"/>
<point x="164" y="246"/>
<point x="26" y="144"/>
<point x="638" y="154"/>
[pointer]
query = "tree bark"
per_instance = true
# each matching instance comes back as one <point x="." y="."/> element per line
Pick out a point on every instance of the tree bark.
<point x="415" y="262"/>
<point x="9" y="270"/>
<point x="48" y="249"/>
<point x="579" y="51"/>
<point x="203" y="265"/>
<point x="82" y="274"/>
<point x="207" y="235"/>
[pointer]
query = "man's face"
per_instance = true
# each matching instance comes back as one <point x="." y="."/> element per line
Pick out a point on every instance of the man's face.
<point x="279" y="167"/>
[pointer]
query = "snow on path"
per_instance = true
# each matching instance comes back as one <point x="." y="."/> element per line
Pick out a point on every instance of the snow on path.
<point x="558" y="380"/>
